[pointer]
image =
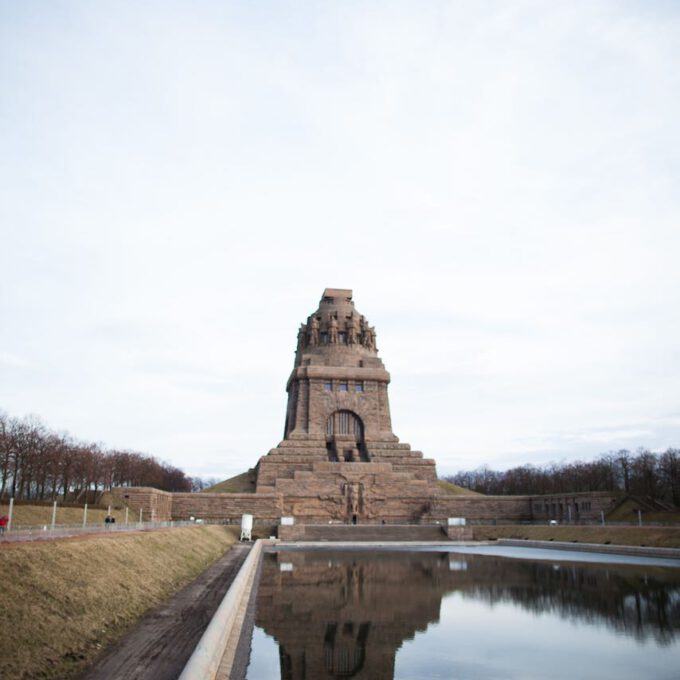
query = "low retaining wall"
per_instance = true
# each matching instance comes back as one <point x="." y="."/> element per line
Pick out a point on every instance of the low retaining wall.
<point x="483" y="508"/>
<point x="294" y="532"/>
<point x="265" y="508"/>
<point x="268" y="507"/>
<point x="575" y="507"/>
<point x="162" y="506"/>
<point x="156" y="505"/>
<point x="463" y="533"/>
<point x="420" y="533"/>
<point x="214" y="655"/>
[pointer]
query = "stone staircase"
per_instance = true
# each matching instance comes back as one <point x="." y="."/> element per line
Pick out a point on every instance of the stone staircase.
<point x="365" y="532"/>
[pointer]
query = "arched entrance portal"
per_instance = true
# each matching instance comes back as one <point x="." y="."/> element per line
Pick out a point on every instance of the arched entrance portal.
<point x="345" y="437"/>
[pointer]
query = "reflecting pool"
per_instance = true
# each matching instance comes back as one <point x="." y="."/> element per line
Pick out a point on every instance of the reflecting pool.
<point x="324" y="614"/>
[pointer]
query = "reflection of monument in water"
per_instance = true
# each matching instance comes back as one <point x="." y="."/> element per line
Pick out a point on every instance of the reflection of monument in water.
<point x="338" y="614"/>
<point x="338" y="617"/>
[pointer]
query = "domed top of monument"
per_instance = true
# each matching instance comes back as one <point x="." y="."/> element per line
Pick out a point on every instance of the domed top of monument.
<point x="335" y="332"/>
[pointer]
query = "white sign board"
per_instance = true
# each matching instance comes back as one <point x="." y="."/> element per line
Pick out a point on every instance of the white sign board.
<point x="456" y="521"/>
<point x="287" y="521"/>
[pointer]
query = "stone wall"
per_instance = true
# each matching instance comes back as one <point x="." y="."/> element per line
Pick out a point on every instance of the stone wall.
<point x="460" y="533"/>
<point x="291" y="532"/>
<point x="265" y="508"/>
<point x="156" y="505"/>
<point x="482" y="508"/>
<point x="574" y="507"/>
<point x="325" y="494"/>
<point x="565" y="508"/>
<point x="162" y="506"/>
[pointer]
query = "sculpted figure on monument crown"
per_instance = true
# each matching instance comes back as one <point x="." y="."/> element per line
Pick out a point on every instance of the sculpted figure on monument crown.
<point x="353" y="330"/>
<point x="313" y="331"/>
<point x="302" y="337"/>
<point x="333" y="331"/>
<point x="364" y="330"/>
<point x="370" y="338"/>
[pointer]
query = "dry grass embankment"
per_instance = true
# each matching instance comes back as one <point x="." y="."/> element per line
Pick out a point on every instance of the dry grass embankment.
<point x="41" y="515"/>
<point x="454" y="490"/>
<point x="243" y="483"/>
<point x="659" y="537"/>
<point x="627" y="512"/>
<point x="63" y="601"/>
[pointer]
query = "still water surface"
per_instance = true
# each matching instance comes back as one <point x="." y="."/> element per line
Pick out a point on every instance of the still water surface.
<point x="328" y="614"/>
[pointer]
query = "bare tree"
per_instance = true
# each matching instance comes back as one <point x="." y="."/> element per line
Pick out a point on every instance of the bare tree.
<point x="643" y="474"/>
<point x="36" y="463"/>
<point x="669" y="473"/>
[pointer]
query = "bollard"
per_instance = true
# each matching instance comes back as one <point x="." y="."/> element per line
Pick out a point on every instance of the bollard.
<point x="639" y="517"/>
<point x="140" y="515"/>
<point x="127" y="510"/>
<point x="54" y="515"/>
<point x="11" y="512"/>
<point x="85" y="516"/>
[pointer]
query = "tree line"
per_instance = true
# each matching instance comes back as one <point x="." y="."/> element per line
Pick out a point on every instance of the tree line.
<point x="643" y="473"/>
<point x="37" y="463"/>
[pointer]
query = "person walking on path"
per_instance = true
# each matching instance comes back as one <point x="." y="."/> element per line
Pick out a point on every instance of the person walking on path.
<point x="4" y="521"/>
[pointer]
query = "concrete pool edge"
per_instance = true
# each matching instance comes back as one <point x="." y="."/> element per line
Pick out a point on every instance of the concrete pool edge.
<point x="216" y="650"/>
<point x="603" y="548"/>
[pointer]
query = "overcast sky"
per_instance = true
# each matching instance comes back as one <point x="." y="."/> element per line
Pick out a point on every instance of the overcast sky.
<point x="498" y="182"/>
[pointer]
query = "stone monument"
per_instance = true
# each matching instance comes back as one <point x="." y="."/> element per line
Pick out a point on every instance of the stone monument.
<point x="339" y="459"/>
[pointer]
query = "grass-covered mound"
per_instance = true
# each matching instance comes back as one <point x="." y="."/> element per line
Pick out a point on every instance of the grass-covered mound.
<point x="627" y="511"/>
<point x="243" y="483"/>
<point x="455" y="490"/>
<point x="63" y="601"/>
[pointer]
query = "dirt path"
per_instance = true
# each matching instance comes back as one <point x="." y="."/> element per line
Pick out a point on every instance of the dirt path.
<point x="159" y="646"/>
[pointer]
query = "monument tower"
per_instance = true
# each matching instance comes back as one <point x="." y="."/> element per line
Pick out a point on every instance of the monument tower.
<point x="339" y="459"/>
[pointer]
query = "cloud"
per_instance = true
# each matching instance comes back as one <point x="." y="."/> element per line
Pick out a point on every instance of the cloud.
<point x="10" y="360"/>
<point x="497" y="184"/>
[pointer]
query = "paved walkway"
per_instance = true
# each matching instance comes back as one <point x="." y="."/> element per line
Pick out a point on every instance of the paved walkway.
<point x="78" y="531"/>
